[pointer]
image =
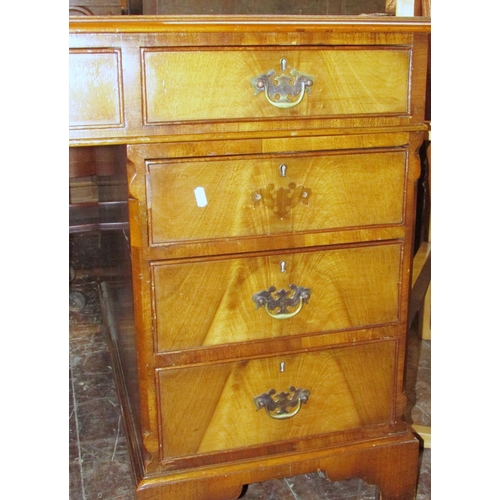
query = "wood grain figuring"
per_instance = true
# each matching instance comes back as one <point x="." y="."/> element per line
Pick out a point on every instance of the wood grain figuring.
<point x="95" y="89"/>
<point x="186" y="109"/>
<point x="267" y="141"/>
<point x="210" y="303"/>
<point x="317" y="192"/>
<point x="391" y="463"/>
<point x="320" y="143"/>
<point x="298" y="34"/>
<point x="350" y="387"/>
<point x="215" y="85"/>
<point x="254" y="24"/>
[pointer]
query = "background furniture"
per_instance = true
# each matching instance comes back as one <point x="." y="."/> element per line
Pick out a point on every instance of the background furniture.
<point x="420" y="304"/>
<point x="97" y="209"/>
<point x="104" y="7"/>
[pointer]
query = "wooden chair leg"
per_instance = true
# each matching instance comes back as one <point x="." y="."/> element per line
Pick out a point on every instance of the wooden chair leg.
<point x="424" y="317"/>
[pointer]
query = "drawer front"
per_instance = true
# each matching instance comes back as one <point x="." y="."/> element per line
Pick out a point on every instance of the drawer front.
<point x="216" y="84"/>
<point x="95" y="89"/>
<point x="342" y="389"/>
<point x="231" y="198"/>
<point x="228" y="300"/>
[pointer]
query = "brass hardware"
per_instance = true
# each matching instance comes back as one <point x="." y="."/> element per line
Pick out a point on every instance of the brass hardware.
<point x="283" y="170"/>
<point x="277" y="405"/>
<point x="279" y="89"/>
<point x="282" y="302"/>
<point x="282" y="200"/>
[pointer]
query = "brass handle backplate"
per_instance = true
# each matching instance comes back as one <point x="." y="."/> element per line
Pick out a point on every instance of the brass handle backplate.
<point x="282" y="91"/>
<point x="281" y="200"/>
<point x="281" y="301"/>
<point x="283" y="405"/>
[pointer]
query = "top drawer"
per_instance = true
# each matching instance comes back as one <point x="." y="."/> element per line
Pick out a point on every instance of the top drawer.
<point x="244" y="83"/>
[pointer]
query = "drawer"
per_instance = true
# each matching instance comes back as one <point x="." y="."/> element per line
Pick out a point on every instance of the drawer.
<point x="335" y="390"/>
<point x="245" y="83"/>
<point x="95" y="89"/>
<point x="235" y="197"/>
<point x="229" y="300"/>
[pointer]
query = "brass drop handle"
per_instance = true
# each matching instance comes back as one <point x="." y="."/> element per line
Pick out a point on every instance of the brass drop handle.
<point x="283" y="405"/>
<point x="281" y="301"/>
<point x="279" y="89"/>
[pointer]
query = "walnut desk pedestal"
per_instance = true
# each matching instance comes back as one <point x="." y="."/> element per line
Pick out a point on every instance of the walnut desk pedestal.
<point x="271" y="167"/>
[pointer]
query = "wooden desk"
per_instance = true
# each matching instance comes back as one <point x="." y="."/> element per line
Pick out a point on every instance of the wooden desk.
<point x="271" y="167"/>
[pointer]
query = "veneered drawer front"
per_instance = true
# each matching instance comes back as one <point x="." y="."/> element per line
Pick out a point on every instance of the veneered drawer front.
<point x="348" y="388"/>
<point x="231" y="198"/>
<point x="207" y="303"/>
<point x="215" y="84"/>
<point x="95" y="89"/>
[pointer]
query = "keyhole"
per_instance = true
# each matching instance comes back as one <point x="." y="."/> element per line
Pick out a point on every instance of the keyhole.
<point x="283" y="170"/>
<point x="282" y="367"/>
<point x="283" y="266"/>
<point x="283" y="64"/>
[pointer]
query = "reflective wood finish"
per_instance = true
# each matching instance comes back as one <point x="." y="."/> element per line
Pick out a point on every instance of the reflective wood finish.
<point x="207" y="302"/>
<point x="274" y="195"/>
<point x="99" y="464"/>
<point x="216" y="84"/>
<point x="350" y="388"/>
<point x="208" y="232"/>
<point x="388" y="59"/>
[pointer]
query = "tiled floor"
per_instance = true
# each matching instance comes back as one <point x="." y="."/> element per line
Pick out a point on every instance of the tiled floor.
<point x="99" y="467"/>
